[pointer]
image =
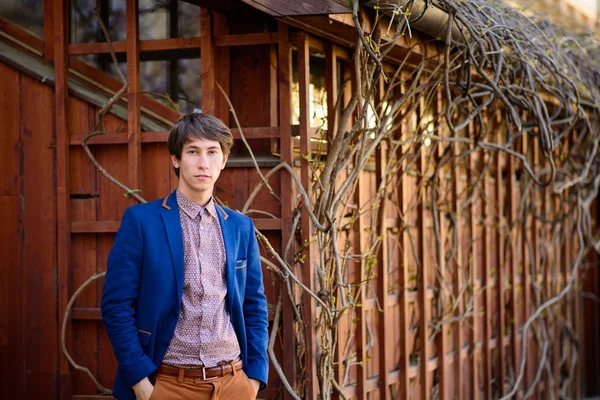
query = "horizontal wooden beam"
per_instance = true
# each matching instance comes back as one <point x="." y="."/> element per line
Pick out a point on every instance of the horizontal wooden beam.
<point x="77" y="49"/>
<point x="246" y="39"/>
<point x="262" y="224"/>
<point x="161" y="137"/>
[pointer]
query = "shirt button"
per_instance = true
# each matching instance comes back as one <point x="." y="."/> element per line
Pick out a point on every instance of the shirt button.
<point x="175" y="313"/>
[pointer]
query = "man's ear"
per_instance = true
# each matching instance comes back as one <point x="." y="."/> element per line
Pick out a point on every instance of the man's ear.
<point x="174" y="160"/>
<point x="225" y="158"/>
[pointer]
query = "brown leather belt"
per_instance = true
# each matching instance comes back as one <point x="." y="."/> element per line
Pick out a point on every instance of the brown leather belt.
<point x="202" y="373"/>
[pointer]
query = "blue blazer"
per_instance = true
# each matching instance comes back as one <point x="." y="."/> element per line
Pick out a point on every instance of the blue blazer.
<point x="143" y="286"/>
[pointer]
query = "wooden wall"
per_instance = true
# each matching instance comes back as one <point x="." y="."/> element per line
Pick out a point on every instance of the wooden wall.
<point x="28" y="275"/>
<point x="467" y="360"/>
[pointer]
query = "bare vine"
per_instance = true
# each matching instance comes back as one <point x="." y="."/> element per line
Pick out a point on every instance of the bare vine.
<point x="515" y="93"/>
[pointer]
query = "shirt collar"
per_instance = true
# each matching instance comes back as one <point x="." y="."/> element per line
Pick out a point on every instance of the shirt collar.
<point x="193" y="209"/>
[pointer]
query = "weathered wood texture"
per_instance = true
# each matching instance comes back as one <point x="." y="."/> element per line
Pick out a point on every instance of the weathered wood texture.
<point x="488" y="272"/>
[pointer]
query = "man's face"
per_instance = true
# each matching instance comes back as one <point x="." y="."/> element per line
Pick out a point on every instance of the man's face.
<point x="201" y="163"/>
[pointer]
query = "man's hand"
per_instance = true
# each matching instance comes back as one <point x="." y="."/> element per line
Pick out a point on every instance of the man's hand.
<point x="256" y="385"/>
<point x="143" y="389"/>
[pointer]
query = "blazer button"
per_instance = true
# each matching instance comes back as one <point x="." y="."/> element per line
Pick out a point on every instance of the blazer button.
<point x="165" y="341"/>
<point x="175" y="313"/>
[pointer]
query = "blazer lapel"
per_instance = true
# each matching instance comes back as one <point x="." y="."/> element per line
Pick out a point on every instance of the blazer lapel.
<point x="170" y="216"/>
<point x="229" y="240"/>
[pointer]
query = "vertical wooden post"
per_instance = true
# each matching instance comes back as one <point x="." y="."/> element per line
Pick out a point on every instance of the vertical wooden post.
<point x="457" y="277"/>
<point x="61" y="94"/>
<point x="307" y="228"/>
<point x="576" y="301"/>
<point x="535" y="231"/>
<point x="223" y="69"/>
<point x="49" y="29"/>
<point x="382" y="265"/>
<point x="486" y="283"/>
<point x="406" y="191"/>
<point x="500" y="272"/>
<point x="471" y="262"/>
<point x="424" y="302"/>
<point x="134" y="144"/>
<point x="207" y="72"/>
<point x="332" y="92"/>
<point x="287" y="197"/>
<point x="442" y="339"/>
<point x="332" y="95"/>
<point x="558" y="281"/>
<point x="548" y="262"/>
<point x="513" y="263"/>
<point x="526" y="273"/>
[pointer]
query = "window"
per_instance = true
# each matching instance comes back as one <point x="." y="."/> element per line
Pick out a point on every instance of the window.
<point x="27" y="14"/>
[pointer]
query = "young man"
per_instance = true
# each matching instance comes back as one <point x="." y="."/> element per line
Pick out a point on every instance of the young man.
<point x="183" y="302"/>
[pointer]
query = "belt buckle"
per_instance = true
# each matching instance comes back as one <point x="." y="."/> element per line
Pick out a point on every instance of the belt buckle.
<point x="204" y="375"/>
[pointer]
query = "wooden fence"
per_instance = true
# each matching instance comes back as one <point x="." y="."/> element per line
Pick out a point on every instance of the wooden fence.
<point x="60" y="216"/>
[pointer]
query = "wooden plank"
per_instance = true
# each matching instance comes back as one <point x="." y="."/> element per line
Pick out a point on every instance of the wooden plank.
<point x="557" y="284"/>
<point x="331" y="88"/>
<point x="12" y="345"/>
<point x="134" y="147"/>
<point x="63" y="250"/>
<point x="535" y="243"/>
<point x="331" y="79"/>
<point x="246" y="39"/>
<point x="472" y="263"/>
<point x="382" y="266"/>
<point x="525" y="238"/>
<point x="513" y="258"/>
<point x="77" y="49"/>
<point x="500" y="271"/>
<point x="457" y="276"/>
<point x="383" y="281"/>
<point x="424" y="305"/>
<point x="207" y="71"/>
<point x="10" y="147"/>
<point x="29" y="40"/>
<point x="223" y="71"/>
<point x="486" y="212"/>
<point x="48" y="30"/>
<point x="441" y="250"/>
<point x="39" y="268"/>
<point x="285" y="142"/>
<point x="406" y="192"/>
<point x="577" y="310"/>
<point x="308" y="271"/>
<point x="83" y="255"/>
<point x="88" y="313"/>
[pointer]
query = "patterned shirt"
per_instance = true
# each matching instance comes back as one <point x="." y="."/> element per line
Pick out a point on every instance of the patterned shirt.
<point x="204" y="335"/>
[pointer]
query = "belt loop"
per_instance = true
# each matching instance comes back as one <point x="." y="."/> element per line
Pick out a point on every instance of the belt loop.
<point x="181" y="375"/>
<point x="233" y="367"/>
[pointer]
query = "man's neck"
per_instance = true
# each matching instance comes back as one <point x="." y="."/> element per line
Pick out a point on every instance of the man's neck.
<point x="201" y="199"/>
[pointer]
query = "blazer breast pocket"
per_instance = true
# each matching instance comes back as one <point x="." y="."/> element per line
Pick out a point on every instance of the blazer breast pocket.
<point x="239" y="264"/>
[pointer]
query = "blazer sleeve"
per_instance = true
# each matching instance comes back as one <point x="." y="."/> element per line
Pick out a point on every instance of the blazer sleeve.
<point x="120" y="293"/>
<point x="255" y="315"/>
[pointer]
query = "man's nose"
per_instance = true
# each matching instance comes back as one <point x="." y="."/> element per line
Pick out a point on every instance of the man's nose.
<point x="203" y="161"/>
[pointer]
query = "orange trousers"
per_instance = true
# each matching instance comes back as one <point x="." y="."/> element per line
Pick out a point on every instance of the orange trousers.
<point x="236" y="386"/>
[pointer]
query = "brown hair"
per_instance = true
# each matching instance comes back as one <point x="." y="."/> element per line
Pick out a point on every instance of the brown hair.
<point x="198" y="126"/>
